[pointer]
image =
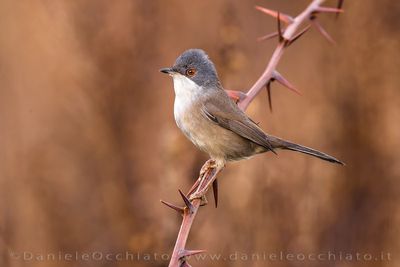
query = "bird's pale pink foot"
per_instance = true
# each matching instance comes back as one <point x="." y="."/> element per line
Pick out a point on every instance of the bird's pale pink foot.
<point x="207" y="180"/>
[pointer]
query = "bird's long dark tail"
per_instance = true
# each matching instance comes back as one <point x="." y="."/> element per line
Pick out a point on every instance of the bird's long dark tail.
<point x="283" y="144"/>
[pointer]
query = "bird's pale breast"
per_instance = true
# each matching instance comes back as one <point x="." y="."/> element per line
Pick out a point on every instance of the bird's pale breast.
<point x="218" y="142"/>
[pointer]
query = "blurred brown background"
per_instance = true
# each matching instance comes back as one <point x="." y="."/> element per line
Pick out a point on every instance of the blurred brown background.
<point x="89" y="145"/>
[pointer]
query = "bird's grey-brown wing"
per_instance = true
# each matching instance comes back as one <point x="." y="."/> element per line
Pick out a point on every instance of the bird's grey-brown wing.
<point x="236" y="121"/>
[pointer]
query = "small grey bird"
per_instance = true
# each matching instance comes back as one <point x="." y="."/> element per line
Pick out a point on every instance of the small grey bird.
<point x="212" y="121"/>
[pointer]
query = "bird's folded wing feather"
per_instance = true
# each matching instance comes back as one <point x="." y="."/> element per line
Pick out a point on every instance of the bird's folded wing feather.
<point x="240" y="125"/>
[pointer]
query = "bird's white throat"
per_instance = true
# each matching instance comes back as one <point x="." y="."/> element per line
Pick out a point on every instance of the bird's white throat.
<point x="186" y="92"/>
<point x="185" y="87"/>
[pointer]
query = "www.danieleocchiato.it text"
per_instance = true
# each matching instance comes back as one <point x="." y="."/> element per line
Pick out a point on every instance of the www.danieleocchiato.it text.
<point x="234" y="256"/>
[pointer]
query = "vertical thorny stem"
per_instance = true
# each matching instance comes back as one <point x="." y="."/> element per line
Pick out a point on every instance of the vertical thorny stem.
<point x="188" y="218"/>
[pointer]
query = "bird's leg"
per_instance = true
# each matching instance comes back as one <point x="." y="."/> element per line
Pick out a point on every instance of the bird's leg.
<point x="194" y="186"/>
<point x="210" y="164"/>
<point x="206" y="182"/>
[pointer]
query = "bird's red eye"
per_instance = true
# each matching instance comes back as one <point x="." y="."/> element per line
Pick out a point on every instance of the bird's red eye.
<point x="190" y="72"/>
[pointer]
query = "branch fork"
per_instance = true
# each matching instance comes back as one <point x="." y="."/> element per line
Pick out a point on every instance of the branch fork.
<point x="287" y="36"/>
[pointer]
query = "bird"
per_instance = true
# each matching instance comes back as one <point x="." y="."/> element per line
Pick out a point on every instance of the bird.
<point x="213" y="122"/>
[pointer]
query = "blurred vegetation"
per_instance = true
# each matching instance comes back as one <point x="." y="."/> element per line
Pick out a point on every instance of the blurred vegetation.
<point x="89" y="144"/>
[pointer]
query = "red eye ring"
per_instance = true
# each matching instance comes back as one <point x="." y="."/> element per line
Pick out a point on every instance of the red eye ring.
<point x="190" y="72"/>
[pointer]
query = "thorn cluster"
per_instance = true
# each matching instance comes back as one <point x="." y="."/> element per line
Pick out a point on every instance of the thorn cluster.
<point x="281" y="17"/>
<point x="288" y="20"/>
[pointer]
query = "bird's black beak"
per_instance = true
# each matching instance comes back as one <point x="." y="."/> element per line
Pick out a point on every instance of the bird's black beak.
<point x="167" y="70"/>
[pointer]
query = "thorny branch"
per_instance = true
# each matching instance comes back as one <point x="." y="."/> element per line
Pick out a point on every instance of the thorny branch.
<point x="208" y="174"/>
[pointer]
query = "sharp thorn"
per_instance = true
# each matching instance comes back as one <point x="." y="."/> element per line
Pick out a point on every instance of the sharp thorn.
<point x="186" y="253"/>
<point x="172" y="206"/>
<point x="279" y="78"/>
<point x="339" y="6"/>
<point x="267" y="36"/>
<point x="215" y="192"/>
<point x="279" y="28"/>
<point x="299" y="34"/>
<point x="323" y="9"/>
<point x="324" y="33"/>
<point x="283" y="17"/>
<point x="187" y="202"/>
<point x="268" y="87"/>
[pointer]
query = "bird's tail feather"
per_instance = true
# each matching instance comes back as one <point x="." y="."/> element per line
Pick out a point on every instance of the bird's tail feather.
<point x="283" y="144"/>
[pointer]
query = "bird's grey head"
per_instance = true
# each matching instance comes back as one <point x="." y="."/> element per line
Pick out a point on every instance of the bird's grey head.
<point x="195" y="65"/>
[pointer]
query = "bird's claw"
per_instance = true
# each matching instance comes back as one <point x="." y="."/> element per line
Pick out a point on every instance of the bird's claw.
<point x="199" y="195"/>
<point x="210" y="164"/>
<point x="204" y="201"/>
